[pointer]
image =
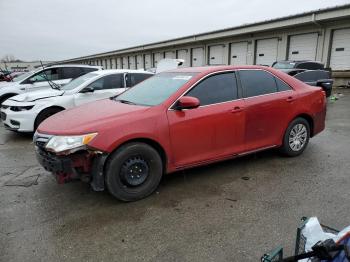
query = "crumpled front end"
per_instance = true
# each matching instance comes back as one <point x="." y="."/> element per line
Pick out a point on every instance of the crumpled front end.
<point x="85" y="165"/>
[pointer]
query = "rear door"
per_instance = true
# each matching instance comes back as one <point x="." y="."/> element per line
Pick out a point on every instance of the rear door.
<point x="213" y="130"/>
<point x="269" y="103"/>
<point x="104" y="87"/>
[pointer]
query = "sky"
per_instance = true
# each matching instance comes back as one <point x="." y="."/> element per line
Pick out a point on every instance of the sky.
<point x="52" y="30"/>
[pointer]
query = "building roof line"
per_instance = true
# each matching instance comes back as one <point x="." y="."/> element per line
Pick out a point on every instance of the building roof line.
<point x="195" y="36"/>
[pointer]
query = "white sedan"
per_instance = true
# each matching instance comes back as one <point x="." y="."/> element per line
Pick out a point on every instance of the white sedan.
<point x="24" y="113"/>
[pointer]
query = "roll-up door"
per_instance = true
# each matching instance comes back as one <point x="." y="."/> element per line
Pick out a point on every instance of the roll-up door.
<point x="156" y="58"/>
<point x="169" y="54"/>
<point x="303" y="47"/>
<point x="132" y="63"/>
<point x="216" y="55"/>
<point x="139" y="62"/>
<point x="185" y="55"/>
<point x="148" y="63"/>
<point x="197" y="56"/>
<point x="340" y="53"/>
<point x="266" y="51"/>
<point x="238" y="53"/>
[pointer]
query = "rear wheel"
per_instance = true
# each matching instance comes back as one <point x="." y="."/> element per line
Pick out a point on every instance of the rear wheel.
<point x="133" y="172"/>
<point x="44" y="115"/>
<point x="296" y="137"/>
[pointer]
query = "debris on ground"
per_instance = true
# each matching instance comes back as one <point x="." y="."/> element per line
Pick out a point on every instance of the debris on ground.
<point x="26" y="179"/>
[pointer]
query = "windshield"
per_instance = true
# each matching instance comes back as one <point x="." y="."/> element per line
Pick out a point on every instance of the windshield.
<point x="284" y="65"/>
<point x="78" y="81"/>
<point x="22" y="77"/>
<point x="156" y="89"/>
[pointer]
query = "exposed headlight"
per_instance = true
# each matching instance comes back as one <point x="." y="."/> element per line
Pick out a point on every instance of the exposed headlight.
<point x="20" y="108"/>
<point x="69" y="144"/>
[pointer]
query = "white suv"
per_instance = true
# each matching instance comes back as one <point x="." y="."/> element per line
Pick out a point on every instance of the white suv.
<point x="24" y="113"/>
<point x="53" y="76"/>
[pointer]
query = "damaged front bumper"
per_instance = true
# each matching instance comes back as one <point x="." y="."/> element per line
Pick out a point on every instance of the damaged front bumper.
<point x="84" y="165"/>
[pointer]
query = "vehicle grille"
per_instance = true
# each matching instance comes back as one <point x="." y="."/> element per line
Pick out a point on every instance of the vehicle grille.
<point x="40" y="140"/>
<point x="3" y="116"/>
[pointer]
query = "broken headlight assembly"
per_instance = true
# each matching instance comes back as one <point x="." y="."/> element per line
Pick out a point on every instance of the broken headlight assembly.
<point x="68" y="144"/>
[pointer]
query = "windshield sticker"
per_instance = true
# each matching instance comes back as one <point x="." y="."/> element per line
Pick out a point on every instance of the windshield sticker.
<point x="182" y="77"/>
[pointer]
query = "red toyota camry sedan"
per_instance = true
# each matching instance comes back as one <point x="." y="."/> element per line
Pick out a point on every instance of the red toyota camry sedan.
<point x="177" y="120"/>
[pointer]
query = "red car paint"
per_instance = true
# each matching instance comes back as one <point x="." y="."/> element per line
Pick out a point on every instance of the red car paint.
<point x="197" y="136"/>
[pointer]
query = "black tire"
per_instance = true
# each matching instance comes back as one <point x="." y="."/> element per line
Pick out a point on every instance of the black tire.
<point x="297" y="147"/>
<point x="122" y="169"/>
<point x="46" y="113"/>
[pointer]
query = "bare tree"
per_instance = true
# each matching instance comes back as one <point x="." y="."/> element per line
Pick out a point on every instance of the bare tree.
<point x="9" y="58"/>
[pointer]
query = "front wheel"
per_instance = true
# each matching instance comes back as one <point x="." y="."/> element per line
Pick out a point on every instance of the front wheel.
<point x="133" y="172"/>
<point x="296" y="137"/>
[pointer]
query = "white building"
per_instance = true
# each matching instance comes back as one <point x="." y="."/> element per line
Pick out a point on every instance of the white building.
<point x="321" y="35"/>
<point x="22" y="66"/>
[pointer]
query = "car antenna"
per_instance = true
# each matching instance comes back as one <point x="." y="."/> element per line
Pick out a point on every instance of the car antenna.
<point x="52" y="84"/>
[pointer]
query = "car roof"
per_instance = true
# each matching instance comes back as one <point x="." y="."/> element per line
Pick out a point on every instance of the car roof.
<point x="209" y="69"/>
<point x="74" y="65"/>
<point x="115" y="71"/>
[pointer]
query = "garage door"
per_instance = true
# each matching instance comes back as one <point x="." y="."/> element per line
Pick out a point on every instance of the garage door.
<point x="184" y="54"/>
<point x="216" y="55"/>
<point x="340" y="53"/>
<point x="169" y="54"/>
<point x="239" y="53"/>
<point x="125" y="62"/>
<point x="148" y="63"/>
<point x="139" y="62"/>
<point x="132" y="62"/>
<point x="113" y="63"/>
<point x="119" y="63"/>
<point x="303" y="47"/>
<point x="156" y="58"/>
<point x="198" y="56"/>
<point x="266" y="51"/>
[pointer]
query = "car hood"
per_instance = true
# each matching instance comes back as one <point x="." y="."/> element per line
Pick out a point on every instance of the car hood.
<point x="8" y="84"/>
<point x="36" y="95"/>
<point x="88" y="118"/>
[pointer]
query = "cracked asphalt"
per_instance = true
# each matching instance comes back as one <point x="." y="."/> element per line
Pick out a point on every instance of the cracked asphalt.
<point x="230" y="211"/>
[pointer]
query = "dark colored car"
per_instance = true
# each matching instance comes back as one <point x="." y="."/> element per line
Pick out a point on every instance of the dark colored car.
<point x="177" y="120"/>
<point x="310" y="72"/>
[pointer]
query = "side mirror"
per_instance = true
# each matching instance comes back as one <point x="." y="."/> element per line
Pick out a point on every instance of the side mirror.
<point x="87" y="89"/>
<point x="187" y="102"/>
<point x="326" y="83"/>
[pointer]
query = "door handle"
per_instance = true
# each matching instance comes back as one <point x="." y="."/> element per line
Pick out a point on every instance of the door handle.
<point x="236" y="109"/>
<point x="290" y="99"/>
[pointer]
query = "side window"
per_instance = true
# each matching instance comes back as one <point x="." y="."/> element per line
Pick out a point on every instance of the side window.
<point x="97" y="85"/>
<point x="108" y="82"/>
<point x="88" y="70"/>
<point x="282" y="86"/>
<point x="257" y="82"/>
<point x="133" y="79"/>
<point x="47" y="74"/>
<point x="215" y="89"/>
<point x="113" y="81"/>
<point x="72" y="72"/>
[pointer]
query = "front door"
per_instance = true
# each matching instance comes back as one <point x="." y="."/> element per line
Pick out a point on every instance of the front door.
<point x="104" y="87"/>
<point x="213" y="130"/>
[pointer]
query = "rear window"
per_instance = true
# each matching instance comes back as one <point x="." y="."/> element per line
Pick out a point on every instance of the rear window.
<point x="135" y="78"/>
<point x="257" y="82"/>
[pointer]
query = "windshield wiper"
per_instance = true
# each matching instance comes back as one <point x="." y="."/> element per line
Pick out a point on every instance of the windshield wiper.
<point x="125" y="101"/>
<point x="52" y="84"/>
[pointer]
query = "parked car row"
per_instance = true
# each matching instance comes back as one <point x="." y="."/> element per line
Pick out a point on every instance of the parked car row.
<point x="310" y="72"/>
<point x="171" y="121"/>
